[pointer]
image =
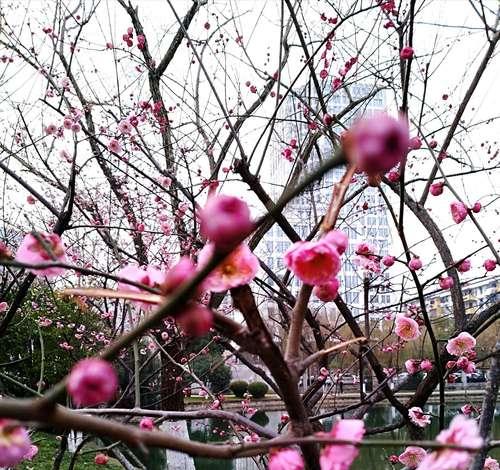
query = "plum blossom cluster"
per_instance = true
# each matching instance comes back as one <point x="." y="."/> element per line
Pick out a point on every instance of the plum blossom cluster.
<point x="42" y="248"/>
<point x="288" y="150"/>
<point x="129" y="36"/>
<point x="333" y="456"/>
<point x="317" y="263"/>
<point x="193" y="318"/>
<point x="367" y="258"/>
<point x="462" y="346"/>
<point x="459" y="210"/>
<point x="415" y="365"/>
<point x="462" y="431"/>
<point x="418" y="417"/>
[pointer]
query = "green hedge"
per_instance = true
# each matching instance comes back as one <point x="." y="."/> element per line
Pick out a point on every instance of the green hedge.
<point x="239" y="387"/>
<point x="258" y="389"/>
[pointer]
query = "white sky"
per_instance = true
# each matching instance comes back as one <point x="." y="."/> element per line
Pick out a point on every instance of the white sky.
<point x="454" y="50"/>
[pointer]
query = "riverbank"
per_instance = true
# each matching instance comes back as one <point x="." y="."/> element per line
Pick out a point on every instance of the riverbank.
<point x="272" y="402"/>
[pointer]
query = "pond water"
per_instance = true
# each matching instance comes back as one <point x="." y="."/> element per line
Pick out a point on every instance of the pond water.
<point x="372" y="458"/>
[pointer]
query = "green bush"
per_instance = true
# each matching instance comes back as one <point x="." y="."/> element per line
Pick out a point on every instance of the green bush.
<point x="219" y="378"/>
<point x="239" y="387"/>
<point x="32" y="343"/>
<point x="258" y="389"/>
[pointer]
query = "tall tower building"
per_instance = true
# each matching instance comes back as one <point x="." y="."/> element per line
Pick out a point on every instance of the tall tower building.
<point x="364" y="218"/>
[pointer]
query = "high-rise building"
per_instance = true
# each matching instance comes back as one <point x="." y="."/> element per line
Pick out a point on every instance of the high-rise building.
<point x="364" y="218"/>
<point x="477" y="294"/>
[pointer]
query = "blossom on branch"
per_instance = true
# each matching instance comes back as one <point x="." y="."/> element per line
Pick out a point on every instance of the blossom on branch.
<point x="418" y="417"/>
<point x="14" y="443"/>
<point x="314" y="263"/>
<point x="377" y="144"/>
<point x="236" y="269"/>
<point x="406" y="328"/>
<point x="286" y="459"/>
<point x="341" y="456"/>
<point x="461" y="344"/>
<point x="42" y="248"/>
<point x="462" y="431"/>
<point x="412" y="456"/>
<point x="225" y="220"/>
<point x="92" y="381"/>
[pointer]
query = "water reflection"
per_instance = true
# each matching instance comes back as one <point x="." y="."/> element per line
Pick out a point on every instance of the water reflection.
<point x="211" y="430"/>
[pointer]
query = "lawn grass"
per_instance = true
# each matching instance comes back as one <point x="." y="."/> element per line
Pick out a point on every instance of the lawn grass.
<point x="48" y="446"/>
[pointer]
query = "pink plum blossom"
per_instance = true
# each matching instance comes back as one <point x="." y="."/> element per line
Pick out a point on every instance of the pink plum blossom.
<point x="446" y="282"/>
<point x="237" y="269"/>
<point x="101" y="459"/>
<point x="316" y="262"/>
<point x="51" y="129"/>
<point x="33" y="251"/>
<point x="388" y="260"/>
<point x="461" y="344"/>
<point x="4" y="306"/>
<point x="415" y="143"/>
<point x="379" y="143"/>
<point x="338" y="239"/>
<point x="406" y="53"/>
<point x="462" y="431"/>
<point x="464" y="266"/>
<point x="418" y="417"/>
<point x="415" y="264"/>
<point x="178" y="275"/>
<point x="286" y="459"/>
<point x="467" y="409"/>
<point x="491" y="464"/>
<point x="367" y="257"/>
<point x="32" y="452"/>
<point x="412" y="456"/>
<point x="114" y="146"/>
<point x="195" y="319"/>
<point x="327" y="292"/>
<point x="14" y="443"/>
<point x="92" y="381"/>
<point x="327" y="119"/>
<point x="125" y="127"/>
<point x="406" y="328"/>
<point x="458" y="211"/>
<point x="146" y="424"/>
<point x="149" y="276"/>
<point x="412" y="366"/>
<point x="490" y="265"/>
<point x="225" y="220"/>
<point x="341" y="456"/>
<point x="393" y="176"/>
<point x="436" y="189"/>
<point x="466" y="365"/>
<point x="426" y="365"/>
<point x="476" y="207"/>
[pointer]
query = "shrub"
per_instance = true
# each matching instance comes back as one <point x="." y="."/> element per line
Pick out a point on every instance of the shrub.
<point x="239" y="387"/>
<point x="258" y="389"/>
<point x="219" y="378"/>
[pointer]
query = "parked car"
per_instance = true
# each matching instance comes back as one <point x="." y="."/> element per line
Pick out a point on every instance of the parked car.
<point x="405" y="381"/>
<point x="476" y="377"/>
